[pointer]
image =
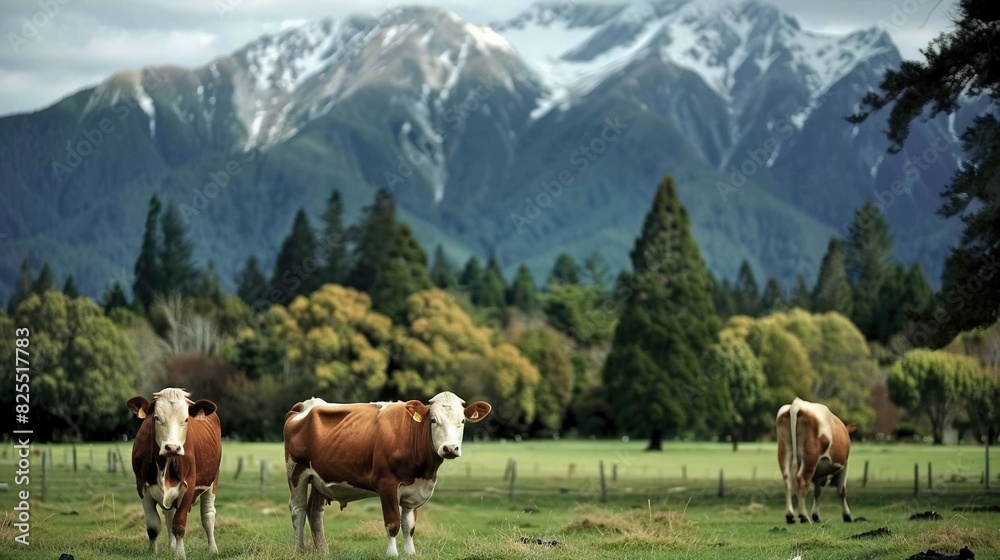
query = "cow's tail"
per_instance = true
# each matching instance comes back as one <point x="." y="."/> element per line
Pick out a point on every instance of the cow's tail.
<point x="792" y="413"/>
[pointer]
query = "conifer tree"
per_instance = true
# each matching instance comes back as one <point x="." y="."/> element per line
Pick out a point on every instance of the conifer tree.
<point x="598" y="272"/>
<point x="868" y="264"/>
<point x="69" y="288"/>
<point x="773" y="297"/>
<point x="651" y="374"/>
<point x="25" y="282"/>
<point x="400" y="273"/>
<point x="832" y="291"/>
<point x="251" y="284"/>
<point x="565" y="270"/>
<point x="523" y="292"/>
<point x="175" y="268"/>
<point x="442" y="273"/>
<point x="724" y="298"/>
<point x="147" y="281"/>
<point x="296" y="271"/>
<point x="115" y="298"/>
<point x="44" y="281"/>
<point x="336" y="265"/>
<point x="494" y="287"/>
<point x="801" y="297"/>
<point x="208" y="285"/>
<point x="471" y="279"/>
<point x="746" y="291"/>
<point x="373" y="236"/>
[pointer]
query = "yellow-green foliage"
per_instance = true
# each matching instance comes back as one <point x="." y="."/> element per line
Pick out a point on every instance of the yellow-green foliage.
<point x="935" y="383"/>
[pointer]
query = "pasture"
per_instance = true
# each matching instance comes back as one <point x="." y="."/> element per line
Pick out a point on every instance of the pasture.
<point x="658" y="505"/>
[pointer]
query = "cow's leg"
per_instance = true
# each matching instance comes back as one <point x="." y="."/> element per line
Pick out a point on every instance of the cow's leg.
<point x="314" y="507"/>
<point x="179" y="525"/>
<point x="168" y="517"/>
<point x="789" y="492"/>
<point x="842" y="490"/>
<point x="409" y="522"/>
<point x="152" y="520"/>
<point x="389" y="494"/>
<point x="817" y="490"/>
<point x="298" y="493"/>
<point x="803" y="481"/>
<point x="208" y="517"/>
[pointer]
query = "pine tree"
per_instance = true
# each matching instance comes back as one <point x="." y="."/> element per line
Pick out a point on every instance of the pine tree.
<point x="442" y="273"/>
<point x="598" y="272"/>
<point x="651" y="374"/>
<point x="147" y="279"/>
<point x="960" y="64"/>
<point x="400" y="273"/>
<point x="252" y="285"/>
<point x="115" y="298"/>
<point x="44" y="281"/>
<point x="746" y="291"/>
<point x="494" y="288"/>
<point x="373" y="237"/>
<point x="296" y="269"/>
<point x="25" y="282"/>
<point x="832" y="291"/>
<point x="523" y="292"/>
<point x="69" y="288"/>
<point x="471" y="279"/>
<point x="336" y="264"/>
<point x="801" y="297"/>
<point x="868" y="264"/>
<point x="773" y="297"/>
<point x="208" y="285"/>
<point x="565" y="270"/>
<point x="175" y="269"/>
<point x="724" y="298"/>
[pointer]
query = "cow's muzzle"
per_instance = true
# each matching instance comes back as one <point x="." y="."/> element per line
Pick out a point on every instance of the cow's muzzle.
<point x="451" y="452"/>
<point x="172" y="450"/>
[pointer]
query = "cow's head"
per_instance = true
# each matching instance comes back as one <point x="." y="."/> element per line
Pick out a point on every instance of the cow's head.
<point x="170" y="411"/>
<point x="447" y="417"/>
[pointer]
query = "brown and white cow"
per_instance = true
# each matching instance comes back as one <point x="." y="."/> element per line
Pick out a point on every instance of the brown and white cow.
<point x="176" y="456"/>
<point x="348" y="452"/>
<point x="813" y="445"/>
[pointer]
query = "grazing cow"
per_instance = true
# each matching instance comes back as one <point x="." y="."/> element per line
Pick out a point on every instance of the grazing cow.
<point x="813" y="445"/>
<point x="176" y="457"/>
<point x="348" y="452"/>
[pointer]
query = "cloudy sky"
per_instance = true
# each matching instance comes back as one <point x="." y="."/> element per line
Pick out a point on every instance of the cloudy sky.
<point x="55" y="47"/>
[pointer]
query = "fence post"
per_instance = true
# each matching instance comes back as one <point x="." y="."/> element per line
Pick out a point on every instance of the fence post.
<point x="513" y="478"/>
<point x="121" y="461"/>
<point x="263" y="476"/>
<point x="864" y="479"/>
<point x="721" y="484"/>
<point x="239" y="467"/>
<point x="986" y="478"/>
<point x="91" y="456"/>
<point x="604" y="486"/>
<point x="930" y="478"/>
<point x="46" y="460"/>
<point x="916" y="479"/>
<point x="74" y="457"/>
<point x="614" y="472"/>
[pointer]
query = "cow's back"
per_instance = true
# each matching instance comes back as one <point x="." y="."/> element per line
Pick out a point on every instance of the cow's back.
<point x="336" y="440"/>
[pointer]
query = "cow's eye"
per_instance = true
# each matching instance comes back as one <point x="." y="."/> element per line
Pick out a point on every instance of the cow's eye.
<point x="156" y="418"/>
<point x="433" y="421"/>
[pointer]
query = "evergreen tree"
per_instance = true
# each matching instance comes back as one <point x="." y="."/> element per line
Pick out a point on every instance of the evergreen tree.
<point x="373" y="237"/>
<point x="724" y="298"/>
<point x="598" y="272"/>
<point x="69" y="288"/>
<point x="175" y="269"/>
<point x="746" y="291"/>
<point x="960" y="64"/>
<point x="471" y="278"/>
<point x="773" y="297"/>
<point x="523" y="292"/>
<point x="565" y="270"/>
<point x="801" y="297"/>
<point x="252" y="285"/>
<point x="400" y="273"/>
<point x="442" y="273"/>
<point x="147" y="281"/>
<point x="44" y="281"/>
<point x="832" y="291"/>
<point x="867" y="263"/>
<point x="208" y="284"/>
<point x="494" y="288"/>
<point x="336" y="264"/>
<point x="651" y="374"/>
<point x="115" y="298"/>
<point x="25" y="282"/>
<point x="296" y="269"/>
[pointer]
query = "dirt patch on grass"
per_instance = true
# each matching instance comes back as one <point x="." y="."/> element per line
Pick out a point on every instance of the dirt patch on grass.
<point x="926" y="516"/>
<point x="633" y="527"/>
<point x="880" y="532"/>
<point x="964" y="554"/>
<point x="954" y="538"/>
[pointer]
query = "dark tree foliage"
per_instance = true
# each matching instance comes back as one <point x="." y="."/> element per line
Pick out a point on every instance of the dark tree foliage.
<point x="373" y="237"/>
<point x="175" y="269"/>
<point x="144" y="288"/>
<point x="832" y="291"/>
<point x="115" y="298"/>
<point x="725" y="299"/>
<point x="399" y="273"/>
<point x="442" y="273"/>
<point x="208" y="285"/>
<point x="69" y="288"/>
<point x="472" y="275"/>
<point x="333" y="244"/>
<point x="44" y="281"/>
<point x="801" y="297"/>
<point x="773" y="297"/>
<point x="964" y="61"/>
<point x="523" y="292"/>
<point x="746" y="292"/>
<point x="651" y="375"/>
<point x="296" y="270"/>
<point x="565" y="270"/>
<point x="868" y="263"/>
<point x="25" y="282"/>
<point x="597" y="271"/>
<point x="252" y="285"/>
<point x="494" y="289"/>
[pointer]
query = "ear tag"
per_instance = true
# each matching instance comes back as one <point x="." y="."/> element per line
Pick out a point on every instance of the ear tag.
<point x="141" y="413"/>
<point x="475" y="414"/>
<point x="416" y="417"/>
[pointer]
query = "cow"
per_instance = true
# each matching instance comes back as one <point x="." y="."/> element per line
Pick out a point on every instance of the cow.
<point x="349" y="452"/>
<point x="813" y="445"/>
<point x="175" y="457"/>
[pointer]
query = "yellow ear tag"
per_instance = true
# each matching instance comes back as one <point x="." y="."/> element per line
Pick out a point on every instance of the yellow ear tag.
<point x="141" y="413"/>
<point x="416" y="417"/>
<point x="475" y="414"/>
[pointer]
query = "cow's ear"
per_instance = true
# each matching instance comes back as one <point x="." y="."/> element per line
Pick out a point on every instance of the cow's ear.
<point x="417" y="410"/>
<point x="852" y="427"/>
<point x="202" y="408"/>
<point x="477" y="411"/>
<point x="139" y="406"/>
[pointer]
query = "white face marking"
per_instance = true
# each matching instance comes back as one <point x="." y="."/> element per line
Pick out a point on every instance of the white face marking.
<point x="170" y="417"/>
<point x="447" y="418"/>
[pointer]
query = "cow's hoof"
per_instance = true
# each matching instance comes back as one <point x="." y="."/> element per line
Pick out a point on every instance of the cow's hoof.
<point x="803" y="519"/>
<point x="790" y="519"/>
<point x="815" y="517"/>
<point x="847" y="518"/>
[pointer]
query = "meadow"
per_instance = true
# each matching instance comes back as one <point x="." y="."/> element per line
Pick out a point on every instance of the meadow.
<point x="656" y="505"/>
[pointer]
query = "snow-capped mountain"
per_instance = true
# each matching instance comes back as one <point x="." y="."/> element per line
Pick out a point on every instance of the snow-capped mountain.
<point x="472" y="126"/>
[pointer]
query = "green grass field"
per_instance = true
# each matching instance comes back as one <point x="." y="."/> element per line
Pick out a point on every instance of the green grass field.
<point x="652" y="510"/>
